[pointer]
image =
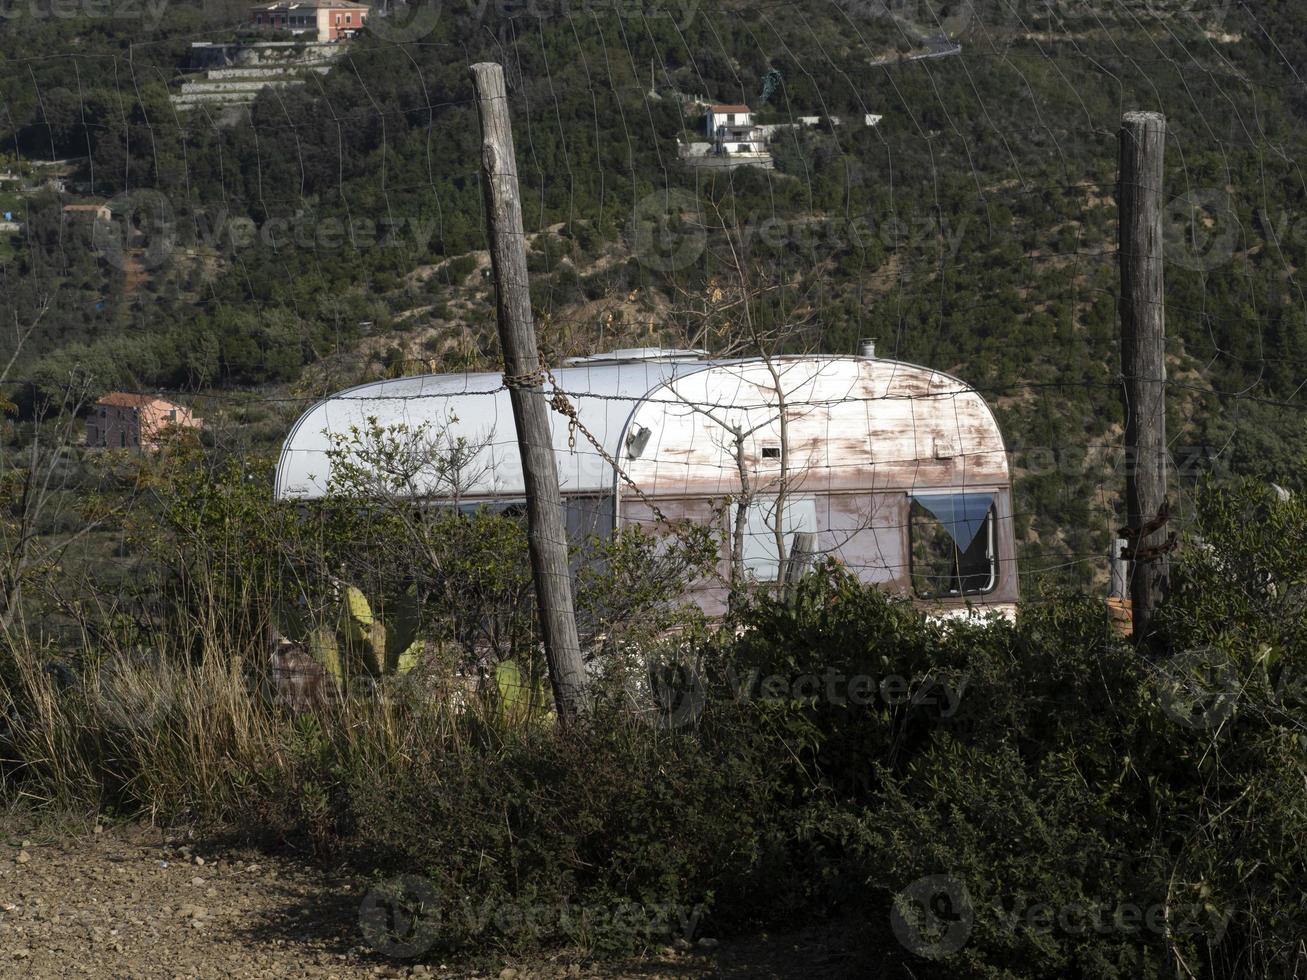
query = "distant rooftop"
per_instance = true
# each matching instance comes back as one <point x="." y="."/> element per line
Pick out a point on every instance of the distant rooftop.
<point x="123" y="399"/>
<point x="729" y="108"/>
<point x="312" y="5"/>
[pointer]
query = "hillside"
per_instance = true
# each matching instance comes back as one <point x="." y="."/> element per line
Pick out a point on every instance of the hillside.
<point x="789" y="681"/>
<point x="334" y="233"/>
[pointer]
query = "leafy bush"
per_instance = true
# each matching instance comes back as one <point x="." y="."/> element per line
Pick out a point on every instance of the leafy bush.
<point x="605" y="815"/>
<point x="1098" y="813"/>
<point x="1028" y="799"/>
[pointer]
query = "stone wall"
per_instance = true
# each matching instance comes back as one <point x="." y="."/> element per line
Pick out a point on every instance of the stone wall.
<point x="206" y="55"/>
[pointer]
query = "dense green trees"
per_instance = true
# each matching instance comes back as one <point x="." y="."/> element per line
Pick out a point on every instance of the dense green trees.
<point x="971" y="230"/>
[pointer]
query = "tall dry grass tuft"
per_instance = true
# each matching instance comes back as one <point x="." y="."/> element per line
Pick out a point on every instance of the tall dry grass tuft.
<point x="41" y="758"/>
<point x="139" y="730"/>
<point x="186" y="736"/>
<point x="153" y="731"/>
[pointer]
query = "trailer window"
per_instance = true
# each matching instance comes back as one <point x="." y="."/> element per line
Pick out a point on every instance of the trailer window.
<point x="952" y="539"/>
<point x="500" y="508"/>
<point x="760" y="558"/>
<point x="588" y="517"/>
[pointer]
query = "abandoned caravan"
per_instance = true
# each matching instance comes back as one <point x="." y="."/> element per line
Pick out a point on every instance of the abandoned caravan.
<point x="899" y="470"/>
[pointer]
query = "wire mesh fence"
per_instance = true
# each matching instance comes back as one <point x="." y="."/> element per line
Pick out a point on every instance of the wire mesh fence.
<point x="217" y="217"/>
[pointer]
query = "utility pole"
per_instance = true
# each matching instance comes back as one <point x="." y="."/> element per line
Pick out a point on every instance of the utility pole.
<point x="1143" y="361"/>
<point x="525" y="379"/>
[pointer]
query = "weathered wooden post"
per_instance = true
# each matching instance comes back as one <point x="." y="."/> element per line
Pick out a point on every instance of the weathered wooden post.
<point x="1119" y="577"/>
<point x="801" y="554"/>
<point x="1118" y="601"/>
<point x="524" y="376"/>
<point x="1143" y="359"/>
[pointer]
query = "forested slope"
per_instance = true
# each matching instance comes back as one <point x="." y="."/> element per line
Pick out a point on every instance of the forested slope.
<point x="332" y="235"/>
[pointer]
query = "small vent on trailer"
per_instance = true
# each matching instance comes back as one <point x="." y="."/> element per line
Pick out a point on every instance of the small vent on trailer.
<point x="637" y="439"/>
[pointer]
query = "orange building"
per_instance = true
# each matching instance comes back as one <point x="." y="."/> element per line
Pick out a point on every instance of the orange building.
<point x="326" y="20"/>
<point x="123" y="421"/>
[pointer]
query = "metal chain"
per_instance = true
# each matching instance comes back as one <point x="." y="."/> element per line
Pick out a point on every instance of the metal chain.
<point x="533" y="380"/>
<point x="561" y="404"/>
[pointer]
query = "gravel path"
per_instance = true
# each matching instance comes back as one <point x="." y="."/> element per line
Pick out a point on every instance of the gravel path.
<point x="134" y="901"/>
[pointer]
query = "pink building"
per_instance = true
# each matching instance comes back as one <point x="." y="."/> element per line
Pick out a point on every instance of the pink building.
<point x="97" y="212"/>
<point x="123" y="421"/>
<point x="325" y="20"/>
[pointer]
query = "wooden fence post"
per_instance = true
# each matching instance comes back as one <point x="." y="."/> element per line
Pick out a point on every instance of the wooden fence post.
<point x="1143" y="360"/>
<point x="800" y="559"/>
<point x="524" y="376"/>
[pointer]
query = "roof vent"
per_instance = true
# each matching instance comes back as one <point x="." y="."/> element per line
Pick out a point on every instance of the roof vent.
<point x="633" y="354"/>
<point x="867" y="348"/>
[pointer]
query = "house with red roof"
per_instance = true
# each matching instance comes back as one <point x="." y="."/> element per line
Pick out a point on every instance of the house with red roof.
<point x="121" y="420"/>
<point x="731" y="129"/>
<point x="324" y="20"/>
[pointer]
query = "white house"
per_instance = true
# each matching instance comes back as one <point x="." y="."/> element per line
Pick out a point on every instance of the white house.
<point x="733" y="140"/>
<point x="731" y="129"/>
<point x="736" y="140"/>
<point x="734" y="116"/>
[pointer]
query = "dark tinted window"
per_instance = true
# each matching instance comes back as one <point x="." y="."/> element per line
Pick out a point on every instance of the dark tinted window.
<point x="952" y="539"/>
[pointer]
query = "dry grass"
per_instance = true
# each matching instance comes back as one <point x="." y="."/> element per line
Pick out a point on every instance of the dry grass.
<point x="160" y="735"/>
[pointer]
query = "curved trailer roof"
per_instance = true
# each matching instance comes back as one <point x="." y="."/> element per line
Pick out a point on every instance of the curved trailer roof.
<point x="865" y="422"/>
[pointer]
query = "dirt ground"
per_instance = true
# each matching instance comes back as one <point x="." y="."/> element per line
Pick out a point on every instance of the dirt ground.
<point x="136" y="901"/>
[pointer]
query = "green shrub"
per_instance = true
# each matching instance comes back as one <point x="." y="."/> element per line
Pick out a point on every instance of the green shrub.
<point x="606" y="815"/>
<point x="997" y="799"/>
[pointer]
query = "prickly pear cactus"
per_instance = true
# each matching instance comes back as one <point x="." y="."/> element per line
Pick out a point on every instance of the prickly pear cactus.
<point x="362" y="643"/>
<point x="365" y="636"/>
<point x="325" y="649"/>
<point x="402" y="644"/>
<point x="519" y="700"/>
